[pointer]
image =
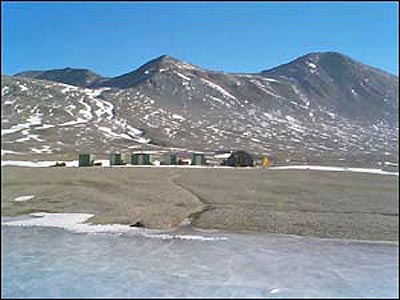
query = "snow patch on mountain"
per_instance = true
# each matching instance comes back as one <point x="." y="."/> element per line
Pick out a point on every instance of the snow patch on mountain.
<point x="218" y="88"/>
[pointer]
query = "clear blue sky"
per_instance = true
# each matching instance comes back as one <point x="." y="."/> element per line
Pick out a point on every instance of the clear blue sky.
<point x="112" y="38"/>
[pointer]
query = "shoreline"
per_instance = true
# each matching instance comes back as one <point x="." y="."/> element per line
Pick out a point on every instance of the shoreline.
<point x="186" y="231"/>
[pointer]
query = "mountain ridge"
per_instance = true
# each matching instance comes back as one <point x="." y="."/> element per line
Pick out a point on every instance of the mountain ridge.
<point x="165" y="58"/>
<point x="319" y="105"/>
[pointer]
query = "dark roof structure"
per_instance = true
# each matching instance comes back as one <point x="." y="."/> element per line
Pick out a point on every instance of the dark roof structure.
<point x="239" y="159"/>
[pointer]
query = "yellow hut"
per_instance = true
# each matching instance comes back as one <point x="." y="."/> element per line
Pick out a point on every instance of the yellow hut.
<point x="265" y="161"/>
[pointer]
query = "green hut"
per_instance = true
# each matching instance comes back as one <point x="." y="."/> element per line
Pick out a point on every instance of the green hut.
<point x="171" y="159"/>
<point x="198" y="159"/>
<point x="115" y="159"/>
<point x="86" y="160"/>
<point x="140" y="159"/>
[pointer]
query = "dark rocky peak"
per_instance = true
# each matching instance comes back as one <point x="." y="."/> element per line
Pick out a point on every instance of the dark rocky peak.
<point x="78" y="77"/>
<point x="166" y="62"/>
<point x="149" y="70"/>
<point x="333" y="63"/>
<point x="339" y="82"/>
<point x="310" y="60"/>
<point x="29" y="74"/>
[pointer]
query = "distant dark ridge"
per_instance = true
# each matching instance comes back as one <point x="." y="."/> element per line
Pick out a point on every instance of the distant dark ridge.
<point x="78" y="77"/>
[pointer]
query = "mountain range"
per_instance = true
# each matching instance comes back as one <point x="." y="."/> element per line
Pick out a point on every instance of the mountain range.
<point x="322" y="106"/>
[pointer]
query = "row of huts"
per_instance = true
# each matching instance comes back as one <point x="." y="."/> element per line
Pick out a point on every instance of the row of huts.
<point x="235" y="159"/>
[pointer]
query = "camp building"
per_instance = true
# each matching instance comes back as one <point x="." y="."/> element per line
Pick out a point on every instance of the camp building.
<point x="170" y="159"/>
<point x="239" y="159"/>
<point x="198" y="159"/>
<point x="116" y="159"/>
<point x="140" y="159"/>
<point x="86" y="160"/>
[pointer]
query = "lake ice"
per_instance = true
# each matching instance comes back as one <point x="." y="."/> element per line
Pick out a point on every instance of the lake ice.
<point x="52" y="262"/>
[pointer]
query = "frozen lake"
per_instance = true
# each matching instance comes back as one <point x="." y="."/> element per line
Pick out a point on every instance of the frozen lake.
<point x="52" y="262"/>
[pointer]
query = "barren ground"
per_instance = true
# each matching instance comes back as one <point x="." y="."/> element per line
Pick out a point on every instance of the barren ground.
<point x="323" y="204"/>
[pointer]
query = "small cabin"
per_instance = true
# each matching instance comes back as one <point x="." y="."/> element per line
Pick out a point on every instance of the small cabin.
<point x="198" y="159"/>
<point x="170" y="159"/>
<point x="239" y="159"/>
<point x="86" y="160"/>
<point x="140" y="159"/>
<point x="116" y="159"/>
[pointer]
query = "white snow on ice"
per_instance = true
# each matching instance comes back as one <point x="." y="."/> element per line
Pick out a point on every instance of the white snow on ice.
<point x="24" y="198"/>
<point x="27" y="163"/>
<point x="48" y="163"/>
<point x="75" y="222"/>
<point x="336" y="169"/>
<point x="274" y="291"/>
